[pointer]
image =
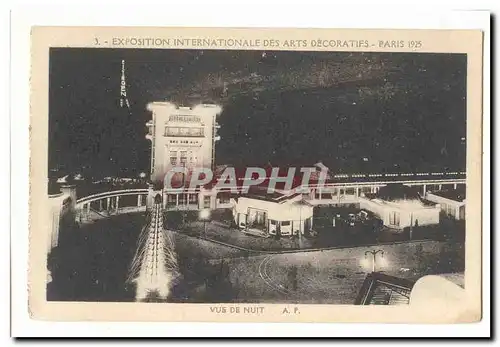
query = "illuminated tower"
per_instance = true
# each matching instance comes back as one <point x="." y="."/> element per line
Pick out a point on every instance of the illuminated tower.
<point x="181" y="136"/>
<point x="154" y="267"/>
<point x="123" y="89"/>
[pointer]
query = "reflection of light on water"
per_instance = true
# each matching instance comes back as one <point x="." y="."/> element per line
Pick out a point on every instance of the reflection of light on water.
<point x="154" y="267"/>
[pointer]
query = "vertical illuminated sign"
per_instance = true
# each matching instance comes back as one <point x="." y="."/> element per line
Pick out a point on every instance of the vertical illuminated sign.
<point x="123" y="86"/>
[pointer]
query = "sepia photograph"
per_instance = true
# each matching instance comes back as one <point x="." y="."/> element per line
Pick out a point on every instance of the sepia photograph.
<point x="305" y="177"/>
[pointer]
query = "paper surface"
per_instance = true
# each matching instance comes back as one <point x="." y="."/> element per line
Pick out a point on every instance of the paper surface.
<point x="366" y="96"/>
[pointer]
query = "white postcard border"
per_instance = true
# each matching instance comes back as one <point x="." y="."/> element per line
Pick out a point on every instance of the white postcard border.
<point x="19" y="129"/>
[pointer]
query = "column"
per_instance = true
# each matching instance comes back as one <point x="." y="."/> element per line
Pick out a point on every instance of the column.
<point x="139" y="200"/>
<point x="440" y="186"/>
<point x="454" y="186"/>
<point x="108" y="202"/>
<point x="200" y="200"/>
<point x="176" y="200"/>
<point x="117" y="203"/>
<point x="425" y="189"/>
<point x="320" y="193"/>
<point x="357" y="192"/>
<point x="338" y="194"/>
<point x="100" y="205"/>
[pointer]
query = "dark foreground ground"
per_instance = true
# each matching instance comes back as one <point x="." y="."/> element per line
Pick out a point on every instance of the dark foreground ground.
<point x="92" y="264"/>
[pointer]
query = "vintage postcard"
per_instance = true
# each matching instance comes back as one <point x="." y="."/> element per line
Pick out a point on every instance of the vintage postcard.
<point x="255" y="175"/>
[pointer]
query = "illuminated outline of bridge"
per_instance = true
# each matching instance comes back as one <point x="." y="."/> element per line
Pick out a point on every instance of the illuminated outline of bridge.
<point x="429" y="181"/>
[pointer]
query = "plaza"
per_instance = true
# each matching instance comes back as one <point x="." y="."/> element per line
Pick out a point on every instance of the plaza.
<point x="254" y="273"/>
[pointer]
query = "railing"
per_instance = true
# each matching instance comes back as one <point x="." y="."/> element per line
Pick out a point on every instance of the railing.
<point x="327" y="189"/>
<point x="114" y="193"/>
<point x="373" y="280"/>
<point x="360" y="175"/>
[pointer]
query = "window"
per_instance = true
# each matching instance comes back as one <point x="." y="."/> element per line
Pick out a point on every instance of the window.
<point x="193" y="198"/>
<point x="196" y="131"/>
<point x="450" y="210"/>
<point x="183" y="158"/>
<point x="182" y="199"/>
<point x="171" y="199"/>
<point x="173" y="161"/>
<point x="394" y="218"/>
<point x="224" y="198"/>
<point x="461" y="212"/>
<point x="285" y="223"/>
<point x="171" y="131"/>
<point x="184" y="132"/>
<point x="206" y="202"/>
<point x="273" y="222"/>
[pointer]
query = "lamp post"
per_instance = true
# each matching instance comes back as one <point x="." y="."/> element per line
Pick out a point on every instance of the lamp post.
<point x="374" y="255"/>
<point x="411" y="226"/>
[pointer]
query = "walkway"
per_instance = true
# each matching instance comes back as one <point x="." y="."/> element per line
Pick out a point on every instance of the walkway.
<point x="324" y="277"/>
<point x="237" y="238"/>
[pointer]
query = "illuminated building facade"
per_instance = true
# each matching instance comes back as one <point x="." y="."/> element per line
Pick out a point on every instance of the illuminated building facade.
<point x="282" y="214"/>
<point x="452" y="202"/>
<point x="402" y="213"/>
<point x="181" y="136"/>
<point x="61" y="203"/>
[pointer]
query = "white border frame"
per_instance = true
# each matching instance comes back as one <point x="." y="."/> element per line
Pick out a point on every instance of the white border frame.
<point x="264" y="15"/>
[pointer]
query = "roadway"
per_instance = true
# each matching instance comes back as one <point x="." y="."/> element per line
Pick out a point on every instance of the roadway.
<point x="326" y="277"/>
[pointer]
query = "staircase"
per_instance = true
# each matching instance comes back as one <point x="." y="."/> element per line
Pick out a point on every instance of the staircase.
<point x="381" y="289"/>
<point x="384" y="295"/>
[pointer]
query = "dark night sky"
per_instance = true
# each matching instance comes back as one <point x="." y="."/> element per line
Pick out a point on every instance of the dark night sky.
<point x="401" y="111"/>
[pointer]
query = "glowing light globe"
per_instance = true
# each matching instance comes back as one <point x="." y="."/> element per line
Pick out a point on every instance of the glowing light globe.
<point x="205" y="214"/>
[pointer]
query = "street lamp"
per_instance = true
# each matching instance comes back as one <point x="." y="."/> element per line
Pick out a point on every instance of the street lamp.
<point x="205" y="215"/>
<point x="301" y="226"/>
<point x="411" y="226"/>
<point x="366" y="261"/>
